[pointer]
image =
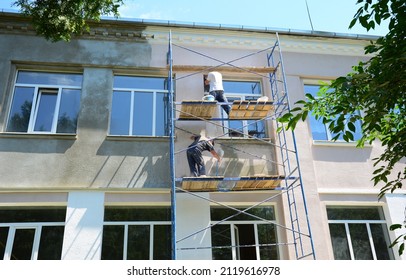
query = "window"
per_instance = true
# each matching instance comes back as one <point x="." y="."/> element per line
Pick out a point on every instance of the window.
<point x="243" y="90"/>
<point x="132" y="233"/>
<point x="359" y="233"/>
<point x="45" y="102"/>
<point x="31" y="233"/>
<point x="320" y="131"/>
<point x="244" y="237"/>
<point x="140" y="106"/>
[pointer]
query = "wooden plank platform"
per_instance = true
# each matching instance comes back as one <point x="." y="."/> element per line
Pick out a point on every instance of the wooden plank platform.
<point x="245" y="109"/>
<point x="219" y="183"/>
<point x="258" y="182"/>
<point x="197" y="109"/>
<point x="202" y="184"/>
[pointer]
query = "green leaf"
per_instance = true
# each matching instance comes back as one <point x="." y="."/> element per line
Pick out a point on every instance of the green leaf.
<point x="351" y="126"/>
<point x="353" y="22"/>
<point x="401" y="249"/>
<point x="395" y="226"/>
<point x="304" y="115"/>
<point x="349" y="136"/>
<point x="309" y="96"/>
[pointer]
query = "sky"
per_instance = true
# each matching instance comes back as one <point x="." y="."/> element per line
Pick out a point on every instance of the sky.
<point x="317" y="15"/>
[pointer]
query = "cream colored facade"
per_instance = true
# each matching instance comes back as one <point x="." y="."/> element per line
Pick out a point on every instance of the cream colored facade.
<point x="86" y="171"/>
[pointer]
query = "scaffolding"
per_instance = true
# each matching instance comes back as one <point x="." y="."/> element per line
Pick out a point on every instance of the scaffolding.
<point x="287" y="183"/>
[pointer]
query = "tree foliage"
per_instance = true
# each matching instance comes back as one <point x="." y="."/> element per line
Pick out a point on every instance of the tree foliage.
<point x="58" y="20"/>
<point x="376" y="88"/>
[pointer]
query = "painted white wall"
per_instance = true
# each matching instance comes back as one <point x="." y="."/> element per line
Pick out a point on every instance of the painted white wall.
<point x="396" y="214"/>
<point x="84" y="226"/>
<point x="193" y="216"/>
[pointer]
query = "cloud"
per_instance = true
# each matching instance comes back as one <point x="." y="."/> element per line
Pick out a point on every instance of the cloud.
<point x="162" y="11"/>
<point x="152" y="15"/>
<point x="129" y="9"/>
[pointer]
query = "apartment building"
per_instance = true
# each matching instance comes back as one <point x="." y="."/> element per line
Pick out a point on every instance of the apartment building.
<point x="94" y="134"/>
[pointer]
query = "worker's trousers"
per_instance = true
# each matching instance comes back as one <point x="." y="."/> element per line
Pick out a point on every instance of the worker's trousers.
<point x="196" y="162"/>
<point x="219" y="96"/>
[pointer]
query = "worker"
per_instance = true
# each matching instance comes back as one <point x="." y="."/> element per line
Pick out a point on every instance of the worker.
<point x="215" y="82"/>
<point x="194" y="154"/>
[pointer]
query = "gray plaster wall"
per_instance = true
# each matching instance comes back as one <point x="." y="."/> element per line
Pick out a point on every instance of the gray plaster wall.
<point x="90" y="159"/>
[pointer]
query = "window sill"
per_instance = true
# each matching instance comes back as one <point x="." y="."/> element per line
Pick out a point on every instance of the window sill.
<point x="337" y="143"/>
<point x="22" y="135"/>
<point x="137" y="138"/>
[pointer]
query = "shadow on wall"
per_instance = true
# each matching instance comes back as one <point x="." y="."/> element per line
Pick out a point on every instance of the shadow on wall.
<point x="242" y="162"/>
<point x="133" y="164"/>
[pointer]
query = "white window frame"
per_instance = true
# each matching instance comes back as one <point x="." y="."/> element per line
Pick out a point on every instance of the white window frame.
<point x="38" y="89"/>
<point x="151" y="233"/>
<point x="132" y="92"/>
<point x="132" y="96"/>
<point x="233" y="226"/>
<point x="13" y="227"/>
<point x="35" y="108"/>
<point x="368" y="223"/>
<point x="347" y="231"/>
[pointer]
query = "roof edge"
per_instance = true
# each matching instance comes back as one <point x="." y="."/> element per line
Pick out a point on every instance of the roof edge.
<point x="231" y="27"/>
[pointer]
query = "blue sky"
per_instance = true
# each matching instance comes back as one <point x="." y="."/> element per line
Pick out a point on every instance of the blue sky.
<point x="325" y="15"/>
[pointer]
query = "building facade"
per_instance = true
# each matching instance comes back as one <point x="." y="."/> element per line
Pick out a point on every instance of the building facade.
<point x="93" y="148"/>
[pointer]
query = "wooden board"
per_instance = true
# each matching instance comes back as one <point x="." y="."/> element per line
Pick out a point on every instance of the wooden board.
<point x="197" y="109"/>
<point x="212" y="183"/>
<point x="243" y="109"/>
<point x="258" y="182"/>
<point x="202" y="184"/>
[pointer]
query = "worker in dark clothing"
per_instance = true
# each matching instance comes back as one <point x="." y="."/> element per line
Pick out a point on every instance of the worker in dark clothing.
<point x="194" y="155"/>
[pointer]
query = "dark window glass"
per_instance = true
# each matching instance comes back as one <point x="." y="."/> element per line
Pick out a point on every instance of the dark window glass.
<point x="360" y="242"/>
<point x="113" y="243"/>
<point x="218" y="214"/>
<point x="20" y="109"/>
<point x="162" y="242"/>
<point x="138" y="242"/>
<point x="45" y="111"/>
<point x="50" y="247"/>
<point x="380" y="236"/>
<point x="23" y="244"/>
<point x="21" y="215"/>
<point x="221" y="242"/>
<point x="340" y="242"/>
<point x="136" y="214"/>
<point x="3" y="241"/>
<point x="267" y="240"/>
<point x="68" y="111"/>
<point x="355" y="213"/>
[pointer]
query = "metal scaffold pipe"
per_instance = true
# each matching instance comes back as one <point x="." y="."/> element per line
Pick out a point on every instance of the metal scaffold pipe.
<point x="172" y="149"/>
